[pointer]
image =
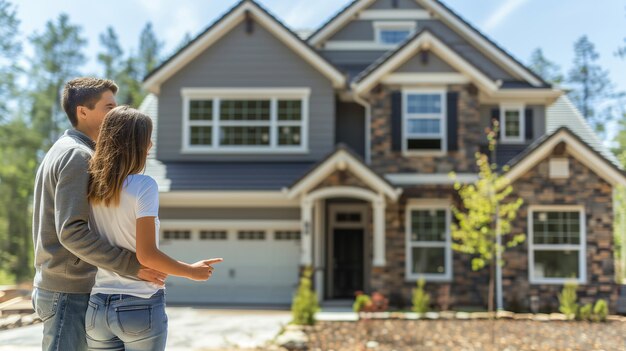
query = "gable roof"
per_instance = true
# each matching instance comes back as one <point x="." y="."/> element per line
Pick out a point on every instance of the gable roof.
<point x="543" y="147"/>
<point x="422" y="40"/>
<point x="341" y="159"/>
<point x="454" y="21"/>
<point x="227" y="22"/>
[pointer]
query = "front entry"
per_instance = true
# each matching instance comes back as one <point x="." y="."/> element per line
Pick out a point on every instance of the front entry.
<point x="347" y="247"/>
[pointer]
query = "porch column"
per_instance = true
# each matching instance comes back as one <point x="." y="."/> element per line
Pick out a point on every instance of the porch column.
<point x="379" y="232"/>
<point x="306" y="241"/>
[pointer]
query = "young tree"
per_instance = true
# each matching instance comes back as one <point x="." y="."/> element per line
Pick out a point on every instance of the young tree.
<point x="111" y="56"/>
<point x="58" y="58"/>
<point x="591" y="83"/>
<point x="485" y="217"/>
<point x="546" y="69"/>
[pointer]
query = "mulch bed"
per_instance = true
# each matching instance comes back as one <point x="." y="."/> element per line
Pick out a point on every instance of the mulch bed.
<point x="466" y="335"/>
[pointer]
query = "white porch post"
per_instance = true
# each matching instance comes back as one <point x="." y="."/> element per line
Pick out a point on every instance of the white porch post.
<point x="379" y="232"/>
<point x="318" y="252"/>
<point x="306" y="242"/>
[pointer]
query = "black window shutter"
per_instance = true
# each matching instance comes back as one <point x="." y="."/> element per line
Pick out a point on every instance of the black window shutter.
<point x="396" y="121"/>
<point x="495" y="114"/>
<point x="528" y="116"/>
<point x="453" y="121"/>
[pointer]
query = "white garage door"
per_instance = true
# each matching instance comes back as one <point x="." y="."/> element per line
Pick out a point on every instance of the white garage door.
<point x="260" y="265"/>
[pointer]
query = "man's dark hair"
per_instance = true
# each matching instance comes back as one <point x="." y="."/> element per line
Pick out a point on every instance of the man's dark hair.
<point x="84" y="91"/>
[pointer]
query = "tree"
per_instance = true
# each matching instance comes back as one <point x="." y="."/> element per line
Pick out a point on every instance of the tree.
<point x="304" y="304"/>
<point x="58" y="58"/>
<point x="546" y="69"/>
<point x="111" y="57"/>
<point x="186" y="40"/>
<point x="10" y="48"/>
<point x="591" y="83"/>
<point x="149" y="50"/>
<point x="486" y="215"/>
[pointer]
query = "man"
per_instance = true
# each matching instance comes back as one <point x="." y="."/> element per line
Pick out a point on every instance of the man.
<point x="66" y="250"/>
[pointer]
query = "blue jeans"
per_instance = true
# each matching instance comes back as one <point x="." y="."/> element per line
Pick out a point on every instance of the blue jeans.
<point x="126" y="322"/>
<point x="63" y="316"/>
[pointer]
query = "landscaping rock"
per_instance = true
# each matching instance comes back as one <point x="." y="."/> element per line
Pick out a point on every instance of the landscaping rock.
<point x="293" y="338"/>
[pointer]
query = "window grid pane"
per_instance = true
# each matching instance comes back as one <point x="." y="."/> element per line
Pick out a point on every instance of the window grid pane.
<point x="176" y="235"/>
<point x="213" y="235"/>
<point x="201" y="110"/>
<point x="245" y="136"/>
<point x="289" y="110"/>
<point x="251" y="235"/>
<point x="557" y="228"/>
<point x="424" y="103"/>
<point x="424" y="126"/>
<point x="428" y="225"/>
<point x="289" y="135"/>
<point x="428" y="260"/>
<point x="556" y="264"/>
<point x="287" y="235"/>
<point x="201" y="135"/>
<point x="512" y="124"/>
<point x="245" y="110"/>
<point x="393" y="36"/>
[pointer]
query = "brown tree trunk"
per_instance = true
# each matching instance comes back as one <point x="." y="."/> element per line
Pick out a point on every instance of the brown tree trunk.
<point x="492" y="269"/>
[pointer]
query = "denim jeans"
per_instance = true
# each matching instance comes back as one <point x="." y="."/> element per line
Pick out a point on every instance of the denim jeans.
<point x="63" y="316"/>
<point x="126" y="322"/>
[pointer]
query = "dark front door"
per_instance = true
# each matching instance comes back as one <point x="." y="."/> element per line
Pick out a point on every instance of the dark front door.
<point x="348" y="262"/>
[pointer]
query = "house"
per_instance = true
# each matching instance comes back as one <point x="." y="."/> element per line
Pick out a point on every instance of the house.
<point x="333" y="151"/>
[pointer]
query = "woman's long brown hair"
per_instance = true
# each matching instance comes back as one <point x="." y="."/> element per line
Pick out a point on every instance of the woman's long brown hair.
<point x="121" y="150"/>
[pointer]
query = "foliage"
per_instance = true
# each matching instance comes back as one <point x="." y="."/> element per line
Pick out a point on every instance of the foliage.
<point x="590" y="81"/>
<point x="486" y="214"/>
<point x="112" y="54"/>
<point x="567" y="300"/>
<point x="361" y="302"/>
<point x="584" y="313"/>
<point x="149" y="50"/>
<point x="420" y="299"/>
<point x="305" y="304"/>
<point x="600" y="311"/>
<point x="546" y="69"/>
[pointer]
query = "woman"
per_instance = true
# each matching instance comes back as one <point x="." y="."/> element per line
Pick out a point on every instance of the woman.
<point x="125" y="313"/>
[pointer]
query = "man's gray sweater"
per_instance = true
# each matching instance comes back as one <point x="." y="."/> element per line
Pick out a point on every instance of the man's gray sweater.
<point x="66" y="250"/>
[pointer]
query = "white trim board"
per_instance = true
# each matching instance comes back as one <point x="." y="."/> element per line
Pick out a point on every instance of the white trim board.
<point x="425" y="41"/>
<point x="226" y="199"/>
<point x="427" y="179"/>
<point x="408" y="79"/>
<point x="342" y="160"/>
<point x="440" y="12"/>
<point x="386" y="14"/>
<point x="226" y="24"/>
<point x="577" y="149"/>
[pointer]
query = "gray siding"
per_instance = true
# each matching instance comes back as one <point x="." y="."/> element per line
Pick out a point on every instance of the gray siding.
<point x="363" y="30"/>
<point x="539" y="118"/>
<point x="244" y="60"/>
<point x="402" y="4"/>
<point x="434" y="64"/>
<point x="242" y="213"/>
<point x="350" y="126"/>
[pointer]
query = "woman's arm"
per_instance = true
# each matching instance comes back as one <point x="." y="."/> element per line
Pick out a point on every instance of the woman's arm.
<point x="150" y="256"/>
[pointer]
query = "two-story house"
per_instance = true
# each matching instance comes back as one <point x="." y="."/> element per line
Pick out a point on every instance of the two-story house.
<point x="333" y="151"/>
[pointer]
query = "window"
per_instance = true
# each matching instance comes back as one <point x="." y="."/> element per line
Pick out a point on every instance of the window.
<point x="287" y="235"/>
<point x="428" y="241"/>
<point x="424" y="120"/>
<point x="512" y="123"/>
<point x="251" y="235"/>
<point x="177" y="235"/>
<point x="245" y="120"/>
<point x="213" y="235"/>
<point x="392" y="33"/>
<point x="556" y="244"/>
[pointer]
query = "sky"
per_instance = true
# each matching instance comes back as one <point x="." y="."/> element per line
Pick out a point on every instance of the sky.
<point x="519" y="26"/>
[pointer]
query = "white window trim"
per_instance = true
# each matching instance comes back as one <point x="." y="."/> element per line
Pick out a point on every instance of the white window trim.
<point x="272" y="94"/>
<point x="582" y="247"/>
<point x="443" y="123"/>
<point x="428" y="204"/>
<point x="521" y="109"/>
<point x="379" y="26"/>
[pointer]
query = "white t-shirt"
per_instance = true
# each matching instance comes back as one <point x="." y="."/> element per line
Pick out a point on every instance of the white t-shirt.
<point x="139" y="198"/>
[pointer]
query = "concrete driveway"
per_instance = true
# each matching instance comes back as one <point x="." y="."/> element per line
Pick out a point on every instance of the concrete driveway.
<point x="190" y="328"/>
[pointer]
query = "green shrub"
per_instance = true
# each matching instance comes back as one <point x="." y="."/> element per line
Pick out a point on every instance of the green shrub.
<point x="420" y="299"/>
<point x="584" y="313"/>
<point x="600" y="311"/>
<point x="305" y="304"/>
<point x="567" y="300"/>
<point x="361" y="302"/>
